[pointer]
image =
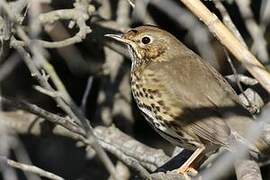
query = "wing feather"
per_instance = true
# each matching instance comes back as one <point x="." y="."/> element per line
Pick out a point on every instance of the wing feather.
<point x="202" y="92"/>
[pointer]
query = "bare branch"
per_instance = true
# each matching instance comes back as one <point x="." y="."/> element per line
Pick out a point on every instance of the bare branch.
<point x="226" y="37"/>
<point x="228" y="21"/>
<point x="128" y="150"/>
<point x="254" y="30"/>
<point x="67" y="123"/>
<point x="80" y="14"/>
<point x="65" y="102"/>
<point x="30" y="168"/>
<point x="197" y="32"/>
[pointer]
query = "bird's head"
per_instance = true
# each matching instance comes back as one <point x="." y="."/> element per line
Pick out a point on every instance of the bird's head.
<point x="147" y="44"/>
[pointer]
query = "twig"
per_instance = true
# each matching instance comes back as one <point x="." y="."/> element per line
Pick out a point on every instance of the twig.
<point x="64" y="102"/>
<point x="41" y="61"/>
<point x="53" y="94"/>
<point x="113" y="137"/>
<point x="80" y="14"/>
<point x="86" y="93"/>
<point x="132" y="3"/>
<point x="7" y="172"/>
<point x="198" y="33"/>
<point x="72" y="56"/>
<point x="237" y="78"/>
<point x="91" y="138"/>
<point x="44" y="114"/>
<point x="131" y="162"/>
<point x="42" y="81"/>
<point x="113" y="63"/>
<point x="254" y="30"/>
<point x="228" y="21"/>
<point x="22" y="156"/>
<point x="128" y="150"/>
<point x="78" y="117"/>
<point x="225" y="36"/>
<point x="30" y="168"/>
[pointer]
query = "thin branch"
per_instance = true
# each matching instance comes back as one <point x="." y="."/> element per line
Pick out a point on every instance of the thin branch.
<point x="107" y="100"/>
<point x="114" y="138"/>
<point x="130" y="155"/>
<point x="132" y="3"/>
<point x="44" y="114"/>
<point x="260" y="44"/>
<point x="72" y="56"/>
<point x="125" y="148"/>
<point x="21" y="155"/>
<point x="86" y="93"/>
<point x="226" y="37"/>
<point x="78" y="117"/>
<point x="131" y="162"/>
<point x="197" y="32"/>
<point x="228" y="21"/>
<point x="237" y="78"/>
<point x="65" y="102"/>
<point x="30" y="168"/>
<point x="80" y="14"/>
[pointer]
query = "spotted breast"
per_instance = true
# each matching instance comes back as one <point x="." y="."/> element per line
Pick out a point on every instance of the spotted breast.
<point x="147" y="92"/>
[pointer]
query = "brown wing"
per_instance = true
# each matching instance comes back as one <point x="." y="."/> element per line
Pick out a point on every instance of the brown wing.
<point x="202" y="93"/>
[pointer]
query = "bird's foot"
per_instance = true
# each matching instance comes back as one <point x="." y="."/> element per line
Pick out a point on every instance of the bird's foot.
<point x="187" y="170"/>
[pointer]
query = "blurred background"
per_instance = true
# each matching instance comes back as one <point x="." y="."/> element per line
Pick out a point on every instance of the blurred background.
<point x="95" y="72"/>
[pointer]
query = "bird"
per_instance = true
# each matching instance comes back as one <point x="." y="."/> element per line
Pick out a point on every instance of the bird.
<point x="184" y="98"/>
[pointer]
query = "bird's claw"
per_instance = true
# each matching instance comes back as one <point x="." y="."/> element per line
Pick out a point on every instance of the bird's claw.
<point x="187" y="170"/>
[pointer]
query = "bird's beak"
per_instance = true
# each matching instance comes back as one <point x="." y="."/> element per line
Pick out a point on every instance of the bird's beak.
<point x="117" y="37"/>
<point x="120" y="38"/>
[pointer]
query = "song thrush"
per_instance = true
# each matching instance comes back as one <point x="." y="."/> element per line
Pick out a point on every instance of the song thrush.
<point x="184" y="98"/>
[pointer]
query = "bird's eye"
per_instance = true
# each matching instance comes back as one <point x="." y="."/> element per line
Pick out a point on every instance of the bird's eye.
<point x="146" y="40"/>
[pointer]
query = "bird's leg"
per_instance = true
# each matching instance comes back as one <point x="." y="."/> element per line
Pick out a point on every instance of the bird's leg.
<point x="190" y="164"/>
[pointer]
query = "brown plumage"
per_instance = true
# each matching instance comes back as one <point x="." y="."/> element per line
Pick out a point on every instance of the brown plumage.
<point x="185" y="99"/>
